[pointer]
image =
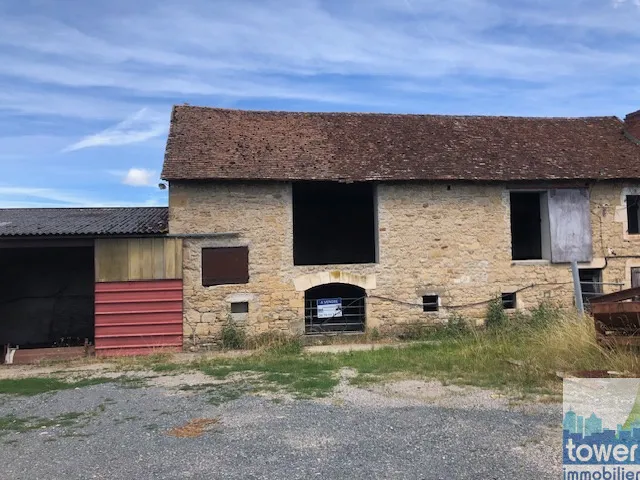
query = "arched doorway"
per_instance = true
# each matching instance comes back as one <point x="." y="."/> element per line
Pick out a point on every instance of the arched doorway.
<point x="334" y="308"/>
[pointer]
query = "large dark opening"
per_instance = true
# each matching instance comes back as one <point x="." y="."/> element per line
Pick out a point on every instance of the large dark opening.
<point x="334" y="308"/>
<point x="46" y="296"/>
<point x="333" y="223"/>
<point x="526" y="226"/>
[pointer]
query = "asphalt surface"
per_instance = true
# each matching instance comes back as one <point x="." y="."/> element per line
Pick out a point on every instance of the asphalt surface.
<point x="124" y="433"/>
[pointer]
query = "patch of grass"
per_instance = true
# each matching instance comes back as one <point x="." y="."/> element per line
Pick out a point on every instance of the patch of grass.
<point x="197" y="387"/>
<point x="520" y="352"/>
<point x="227" y="393"/>
<point x="131" y="381"/>
<point x="455" y="327"/>
<point x="12" y="423"/>
<point x="167" y="367"/>
<point x="302" y="375"/>
<point x="37" y="385"/>
<point x="277" y="343"/>
<point x="142" y="362"/>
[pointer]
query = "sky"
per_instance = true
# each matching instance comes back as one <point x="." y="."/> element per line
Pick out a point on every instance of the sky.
<point x="86" y="86"/>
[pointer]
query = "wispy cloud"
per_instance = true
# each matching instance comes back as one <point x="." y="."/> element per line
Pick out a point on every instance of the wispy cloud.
<point x="309" y="50"/>
<point x="139" y="127"/>
<point x="26" y="197"/>
<point x="619" y="3"/>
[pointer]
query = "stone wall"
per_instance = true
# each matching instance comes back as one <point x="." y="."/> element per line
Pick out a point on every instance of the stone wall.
<point x="451" y="240"/>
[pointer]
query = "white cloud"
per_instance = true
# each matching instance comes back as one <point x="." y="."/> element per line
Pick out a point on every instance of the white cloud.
<point x="141" y="177"/>
<point x="28" y="197"/>
<point x="139" y="127"/>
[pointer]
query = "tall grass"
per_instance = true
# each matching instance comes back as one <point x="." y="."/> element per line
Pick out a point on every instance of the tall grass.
<point x="519" y="351"/>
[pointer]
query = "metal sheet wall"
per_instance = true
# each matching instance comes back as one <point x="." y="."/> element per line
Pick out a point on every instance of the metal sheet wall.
<point x="138" y="318"/>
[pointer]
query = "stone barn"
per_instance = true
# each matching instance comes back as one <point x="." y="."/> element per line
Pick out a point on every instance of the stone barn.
<point x="311" y="223"/>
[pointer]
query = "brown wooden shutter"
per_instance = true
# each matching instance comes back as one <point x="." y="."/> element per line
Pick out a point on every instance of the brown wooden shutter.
<point x="227" y="265"/>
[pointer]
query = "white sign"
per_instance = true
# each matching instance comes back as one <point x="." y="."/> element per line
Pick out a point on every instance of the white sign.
<point x="329" y="307"/>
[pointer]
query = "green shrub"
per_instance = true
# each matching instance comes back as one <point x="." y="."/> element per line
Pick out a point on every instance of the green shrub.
<point x="374" y="334"/>
<point x="233" y="337"/>
<point x="545" y="314"/>
<point x="457" y="325"/>
<point x="496" y="317"/>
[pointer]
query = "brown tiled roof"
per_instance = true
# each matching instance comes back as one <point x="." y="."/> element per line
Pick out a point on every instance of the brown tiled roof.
<point x="212" y="143"/>
<point x="83" y="221"/>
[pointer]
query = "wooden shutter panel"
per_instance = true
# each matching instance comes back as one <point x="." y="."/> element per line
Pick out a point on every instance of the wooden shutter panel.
<point x="227" y="265"/>
<point x="570" y="225"/>
<point x="635" y="277"/>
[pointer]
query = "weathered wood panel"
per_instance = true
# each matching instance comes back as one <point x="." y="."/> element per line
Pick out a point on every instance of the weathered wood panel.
<point x="135" y="259"/>
<point x="111" y="260"/>
<point x="129" y="259"/>
<point x="147" y="262"/>
<point x="570" y="225"/>
<point x="157" y="248"/>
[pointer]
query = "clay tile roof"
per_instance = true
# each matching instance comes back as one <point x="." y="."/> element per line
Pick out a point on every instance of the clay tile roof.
<point x="213" y="143"/>
<point x="83" y="221"/>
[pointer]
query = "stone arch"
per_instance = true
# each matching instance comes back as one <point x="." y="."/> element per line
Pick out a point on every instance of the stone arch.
<point x="335" y="308"/>
<point x="303" y="283"/>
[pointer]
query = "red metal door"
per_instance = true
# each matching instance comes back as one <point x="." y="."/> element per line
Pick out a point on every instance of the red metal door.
<point x="138" y="318"/>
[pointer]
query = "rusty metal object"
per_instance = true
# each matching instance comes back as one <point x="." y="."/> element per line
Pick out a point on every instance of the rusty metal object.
<point x="36" y="355"/>
<point x="138" y="318"/>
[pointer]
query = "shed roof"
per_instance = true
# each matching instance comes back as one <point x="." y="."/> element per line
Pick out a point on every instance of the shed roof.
<point x="213" y="143"/>
<point x="83" y="221"/>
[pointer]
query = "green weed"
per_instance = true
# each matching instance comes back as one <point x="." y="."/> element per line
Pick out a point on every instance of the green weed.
<point x="233" y="337"/>
<point x="37" y="385"/>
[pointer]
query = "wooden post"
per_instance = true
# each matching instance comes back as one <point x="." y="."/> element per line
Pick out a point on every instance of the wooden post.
<point x="577" y="288"/>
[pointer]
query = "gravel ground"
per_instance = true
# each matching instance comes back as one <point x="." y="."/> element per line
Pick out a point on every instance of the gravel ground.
<point x="402" y="430"/>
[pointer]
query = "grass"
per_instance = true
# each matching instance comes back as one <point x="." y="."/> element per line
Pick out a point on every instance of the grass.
<point x="302" y="375"/>
<point x="12" y="423"/>
<point x="521" y="352"/>
<point x="37" y="385"/>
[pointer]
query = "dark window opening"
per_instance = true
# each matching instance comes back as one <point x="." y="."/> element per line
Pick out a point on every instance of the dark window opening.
<point x="47" y="297"/>
<point x="526" y="226"/>
<point x="240" y="307"/>
<point x="590" y="283"/>
<point x="334" y="308"/>
<point x="509" y="301"/>
<point x="430" y="303"/>
<point x="633" y="214"/>
<point x="333" y="223"/>
<point x="224" y="266"/>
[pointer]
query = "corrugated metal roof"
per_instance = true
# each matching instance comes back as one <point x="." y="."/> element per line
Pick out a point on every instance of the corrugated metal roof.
<point x="212" y="143"/>
<point x="83" y="221"/>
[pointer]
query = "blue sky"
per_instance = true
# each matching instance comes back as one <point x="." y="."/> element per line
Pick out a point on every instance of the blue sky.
<point x="86" y="87"/>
